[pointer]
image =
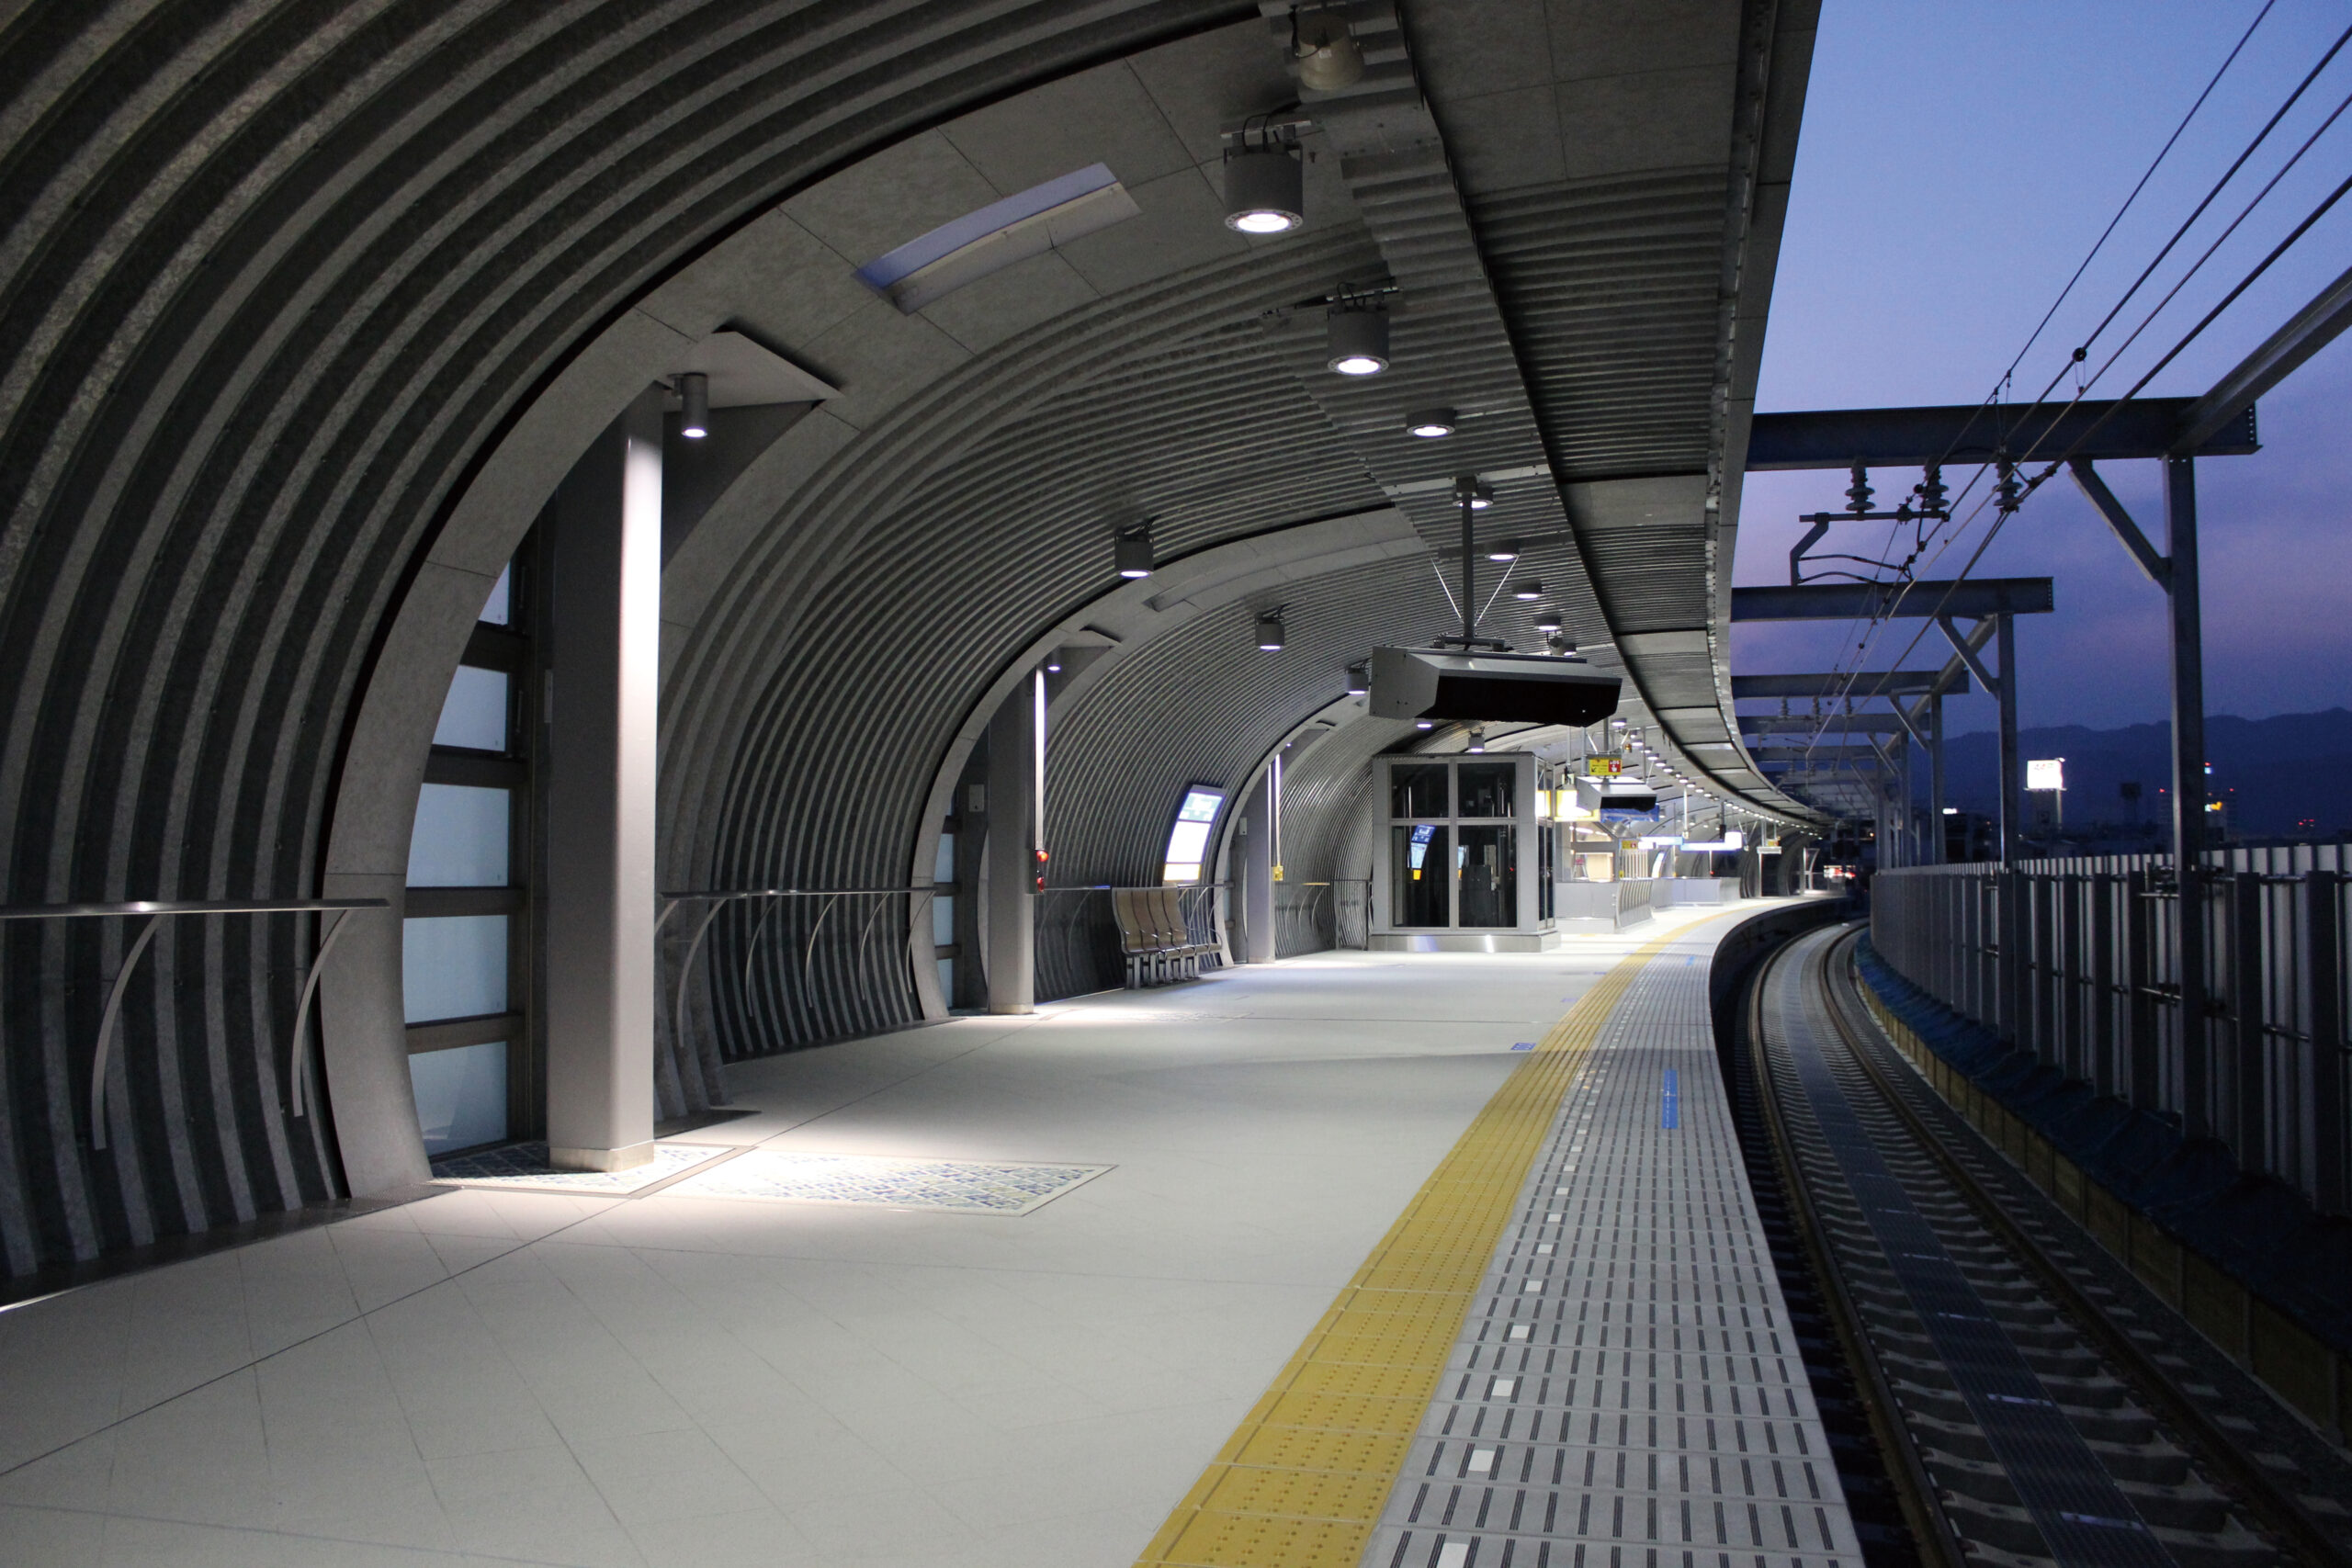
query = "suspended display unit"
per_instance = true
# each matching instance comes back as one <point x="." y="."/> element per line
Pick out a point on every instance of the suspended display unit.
<point x="1463" y="862"/>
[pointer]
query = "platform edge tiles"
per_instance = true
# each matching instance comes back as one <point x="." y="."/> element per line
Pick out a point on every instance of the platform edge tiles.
<point x="1313" y="1472"/>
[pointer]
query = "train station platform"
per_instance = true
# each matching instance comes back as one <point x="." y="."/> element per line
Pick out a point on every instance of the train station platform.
<point x="1356" y="1258"/>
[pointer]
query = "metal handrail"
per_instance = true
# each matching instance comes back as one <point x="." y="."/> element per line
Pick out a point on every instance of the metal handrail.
<point x="719" y="897"/>
<point x="155" y="909"/>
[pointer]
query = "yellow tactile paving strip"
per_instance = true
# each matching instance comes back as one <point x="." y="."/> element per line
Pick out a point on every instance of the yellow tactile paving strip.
<point x="1301" y="1482"/>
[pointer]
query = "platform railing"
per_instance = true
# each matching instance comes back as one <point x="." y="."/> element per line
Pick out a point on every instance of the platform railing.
<point x="710" y="903"/>
<point x="151" y="913"/>
<point x="2077" y="961"/>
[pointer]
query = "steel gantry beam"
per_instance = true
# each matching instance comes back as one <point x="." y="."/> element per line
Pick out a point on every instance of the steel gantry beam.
<point x="1769" y="731"/>
<point x="1856" y="684"/>
<point x="1960" y="434"/>
<point x="1971" y="598"/>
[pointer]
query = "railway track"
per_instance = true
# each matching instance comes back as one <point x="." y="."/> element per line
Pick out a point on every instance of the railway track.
<point x="2026" y="1396"/>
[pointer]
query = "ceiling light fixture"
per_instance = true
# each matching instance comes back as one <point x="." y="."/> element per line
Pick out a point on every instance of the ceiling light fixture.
<point x="1432" y="425"/>
<point x="1328" y="55"/>
<point x="1269" y="632"/>
<point x="1359" y="679"/>
<point x="694" y="393"/>
<point x="1508" y="551"/>
<point x="1053" y="663"/>
<point x="1474" y="492"/>
<point x="1423" y="724"/>
<point x="1131" y="551"/>
<point x="1549" y="621"/>
<point x="1358" y="338"/>
<point x="1527" y="589"/>
<point x="1264" y="187"/>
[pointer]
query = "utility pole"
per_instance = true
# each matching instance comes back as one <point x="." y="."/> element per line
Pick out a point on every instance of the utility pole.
<point x="2188" y="787"/>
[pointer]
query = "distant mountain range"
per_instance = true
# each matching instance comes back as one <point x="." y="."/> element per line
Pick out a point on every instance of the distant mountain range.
<point x="2284" y="776"/>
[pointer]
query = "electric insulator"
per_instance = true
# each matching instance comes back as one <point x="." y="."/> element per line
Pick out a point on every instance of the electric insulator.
<point x="2006" y="493"/>
<point x="1931" y="488"/>
<point x="1858" y="495"/>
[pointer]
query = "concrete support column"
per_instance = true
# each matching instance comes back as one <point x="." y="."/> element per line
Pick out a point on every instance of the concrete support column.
<point x="1258" y="810"/>
<point x="1016" y="791"/>
<point x="605" y="650"/>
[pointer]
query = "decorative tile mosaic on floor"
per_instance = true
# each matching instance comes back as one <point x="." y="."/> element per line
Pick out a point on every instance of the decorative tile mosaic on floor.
<point x="959" y="1185"/>
<point x="524" y="1168"/>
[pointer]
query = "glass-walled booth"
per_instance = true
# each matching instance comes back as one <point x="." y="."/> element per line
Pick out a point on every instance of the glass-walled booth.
<point x="1464" y="861"/>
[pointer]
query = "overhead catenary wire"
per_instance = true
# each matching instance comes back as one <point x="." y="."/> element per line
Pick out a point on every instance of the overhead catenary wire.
<point x="1874" y="623"/>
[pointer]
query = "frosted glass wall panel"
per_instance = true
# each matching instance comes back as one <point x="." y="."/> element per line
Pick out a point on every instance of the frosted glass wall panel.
<point x="460" y="839"/>
<point x="460" y="1096"/>
<point x="943" y="921"/>
<point x="499" y="609"/>
<point x="453" y="967"/>
<point x="474" y="713"/>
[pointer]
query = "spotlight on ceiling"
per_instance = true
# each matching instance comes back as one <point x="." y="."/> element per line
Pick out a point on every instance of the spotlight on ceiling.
<point x="1328" y="55"/>
<point x="1359" y="679"/>
<point x="1265" y="190"/>
<point x="1549" y="621"/>
<point x="1358" y="339"/>
<point x="1131" y="550"/>
<point x="1053" y="663"/>
<point x="1432" y="425"/>
<point x="1527" y="588"/>
<point x="1477" y="739"/>
<point x="1269" y="632"/>
<point x="1473" y="491"/>
<point x="1424" y="724"/>
<point x="1505" y="551"/>
<point x="693" y="391"/>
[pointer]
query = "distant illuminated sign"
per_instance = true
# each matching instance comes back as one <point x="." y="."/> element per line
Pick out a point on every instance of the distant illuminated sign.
<point x="2047" y="773"/>
<point x="1188" y="840"/>
<point x="1418" y="849"/>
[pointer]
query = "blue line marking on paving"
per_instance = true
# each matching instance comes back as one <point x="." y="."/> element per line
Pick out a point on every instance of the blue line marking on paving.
<point x="1524" y="1045"/>
<point x="1670" y="1109"/>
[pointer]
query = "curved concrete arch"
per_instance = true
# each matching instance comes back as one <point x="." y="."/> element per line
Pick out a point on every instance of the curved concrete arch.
<point x="1124" y="622"/>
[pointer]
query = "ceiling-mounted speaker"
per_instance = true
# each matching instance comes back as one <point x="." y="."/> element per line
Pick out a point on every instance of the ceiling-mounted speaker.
<point x="1527" y="688"/>
<point x="1328" y="56"/>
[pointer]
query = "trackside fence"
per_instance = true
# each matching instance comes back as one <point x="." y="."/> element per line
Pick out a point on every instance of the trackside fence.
<point x="2077" y="961"/>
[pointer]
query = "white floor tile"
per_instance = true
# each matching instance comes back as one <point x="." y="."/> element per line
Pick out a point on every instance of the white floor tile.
<point x="673" y="1380"/>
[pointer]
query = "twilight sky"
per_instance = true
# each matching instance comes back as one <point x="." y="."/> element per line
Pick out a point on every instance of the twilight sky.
<point x="1957" y="163"/>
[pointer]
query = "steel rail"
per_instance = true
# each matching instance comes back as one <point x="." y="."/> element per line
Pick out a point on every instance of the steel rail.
<point x="1915" y="1489"/>
<point x="2274" y="1508"/>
